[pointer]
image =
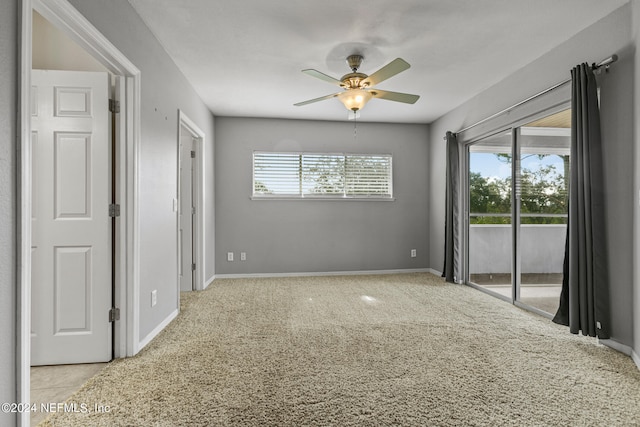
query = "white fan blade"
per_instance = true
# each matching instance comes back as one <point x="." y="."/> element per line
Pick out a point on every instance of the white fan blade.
<point x="311" y="101"/>
<point x="394" y="67"/>
<point x="407" y="98"/>
<point x="322" y="76"/>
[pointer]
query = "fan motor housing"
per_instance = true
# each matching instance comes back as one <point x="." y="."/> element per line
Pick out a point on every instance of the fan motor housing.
<point x="352" y="80"/>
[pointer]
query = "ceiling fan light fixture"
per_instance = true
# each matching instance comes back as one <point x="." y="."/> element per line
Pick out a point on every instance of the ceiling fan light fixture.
<point x="354" y="99"/>
<point x="358" y="88"/>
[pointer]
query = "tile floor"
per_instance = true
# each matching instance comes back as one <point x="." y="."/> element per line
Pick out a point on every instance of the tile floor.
<point x="54" y="384"/>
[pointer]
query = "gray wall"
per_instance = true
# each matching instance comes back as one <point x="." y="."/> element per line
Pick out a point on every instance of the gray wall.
<point x="319" y="236"/>
<point x="8" y="137"/>
<point x="610" y="35"/>
<point x="164" y="91"/>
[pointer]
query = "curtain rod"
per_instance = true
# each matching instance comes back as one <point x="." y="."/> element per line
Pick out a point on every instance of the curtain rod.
<point x="604" y="63"/>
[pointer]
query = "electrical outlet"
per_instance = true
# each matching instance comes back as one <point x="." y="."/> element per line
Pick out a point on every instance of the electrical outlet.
<point x="243" y="256"/>
<point x="413" y="253"/>
<point x="229" y="256"/>
<point x="154" y="297"/>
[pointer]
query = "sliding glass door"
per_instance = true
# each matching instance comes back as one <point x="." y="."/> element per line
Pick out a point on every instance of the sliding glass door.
<point x="490" y="248"/>
<point x="517" y="212"/>
<point x="544" y="180"/>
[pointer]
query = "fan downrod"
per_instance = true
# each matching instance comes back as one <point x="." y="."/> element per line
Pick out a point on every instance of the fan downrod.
<point x="354" y="62"/>
<point x="353" y="79"/>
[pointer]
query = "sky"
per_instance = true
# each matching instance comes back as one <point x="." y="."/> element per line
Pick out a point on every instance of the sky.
<point x="490" y="166"/>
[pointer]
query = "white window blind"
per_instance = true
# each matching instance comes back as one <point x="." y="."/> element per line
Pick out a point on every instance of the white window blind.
<point x="322" y="175"/>
<point x="276" y="174"/>
<point x="368" y="175"/>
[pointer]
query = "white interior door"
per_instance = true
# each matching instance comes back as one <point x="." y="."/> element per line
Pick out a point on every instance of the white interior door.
<point x="187" y="212"/>
<point x="71" y="227"/>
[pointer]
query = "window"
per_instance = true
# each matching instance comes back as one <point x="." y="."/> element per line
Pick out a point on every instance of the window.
<point x="334" y="175"/>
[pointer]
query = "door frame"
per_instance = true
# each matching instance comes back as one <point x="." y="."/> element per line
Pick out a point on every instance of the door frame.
<point x="126" y="331"/>
<point x="184" y="122"/>
<point x="513" y="127"/>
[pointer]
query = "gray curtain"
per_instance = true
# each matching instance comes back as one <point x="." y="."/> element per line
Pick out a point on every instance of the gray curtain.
<point x="450" y="269"/>
<point x="584" y="302"/>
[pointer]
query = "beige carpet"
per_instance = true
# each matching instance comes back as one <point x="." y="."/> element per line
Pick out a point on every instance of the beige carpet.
<point x="361" y="350"/>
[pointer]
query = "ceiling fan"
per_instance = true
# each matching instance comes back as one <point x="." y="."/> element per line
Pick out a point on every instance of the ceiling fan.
<point x="358" y="87"/>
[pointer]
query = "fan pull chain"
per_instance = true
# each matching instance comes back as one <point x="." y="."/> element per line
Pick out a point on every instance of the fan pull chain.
<point x="355" y="126"/>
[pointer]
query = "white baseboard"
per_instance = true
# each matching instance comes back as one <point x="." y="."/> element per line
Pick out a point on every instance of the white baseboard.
<point x="435" y="272"/>
<point x="440" y="274"/>
<point x="636" y="358"/>
<point x="208" y="282"/>
<point x="622" y="348"/>
<point x="323" y="273"/>
<point x="151" y="335"/>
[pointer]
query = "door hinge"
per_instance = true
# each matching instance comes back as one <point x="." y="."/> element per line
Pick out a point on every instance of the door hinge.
<point x="114" y="314"/>
<point x="193" y="210"/>
<point x="114" y="210"/>
<point x="114" y="106"/>
<point x="193" y="267"/>
<point x="193" y="154"/>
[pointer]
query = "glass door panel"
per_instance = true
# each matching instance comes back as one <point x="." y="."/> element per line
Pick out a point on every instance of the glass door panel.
<point x="490" y="225"/>
<point x="543" y="177"/>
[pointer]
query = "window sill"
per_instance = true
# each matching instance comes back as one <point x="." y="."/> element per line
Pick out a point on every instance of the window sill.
<point x="324" y="198"/>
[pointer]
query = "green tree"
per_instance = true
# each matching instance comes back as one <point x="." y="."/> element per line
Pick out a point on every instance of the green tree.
<point x="489" y="195"/>
<point x="542" y="191"/>
<point x="367" y="175"/>
<point x="260" y="188"/>
<point x="323" y="174"/>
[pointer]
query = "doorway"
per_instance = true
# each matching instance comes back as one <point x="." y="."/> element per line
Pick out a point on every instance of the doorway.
<point x="126" y="78"/>
<point x="517" y="200"/>
<point x="186" y="210"/>
<point x="190" y="205"/>
<point x="72" y="182"/>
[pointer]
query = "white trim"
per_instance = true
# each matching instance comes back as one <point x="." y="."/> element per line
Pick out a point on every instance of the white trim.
<point x="325" y="198"/>
<point x="209" y="282"/>
<point x="435" y="272"/>
<point x="23" y="309"/>
<point x="120" y="272"/>
<point x="622" y="348"/>
<point x="66" y="18"/>
<point x="636" y="358"/>
<point x="151" y="335"/>
<point x="200" y="190"/>
<point x="322" y="273"/>
<point x="131" y="297"/>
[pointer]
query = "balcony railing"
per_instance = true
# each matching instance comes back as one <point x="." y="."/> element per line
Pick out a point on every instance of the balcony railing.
<point x="541" y="246"/>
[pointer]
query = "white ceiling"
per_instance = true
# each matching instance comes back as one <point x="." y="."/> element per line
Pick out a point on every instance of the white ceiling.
<point x="244" y="57"/>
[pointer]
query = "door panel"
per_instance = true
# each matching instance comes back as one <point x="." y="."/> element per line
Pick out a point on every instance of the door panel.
<point x="544" y="174"/>
<point x="72" y="290"/>
<point x="72" y="178"/>
<point x="71" y="228"/>
<point x="490" y="224"/>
